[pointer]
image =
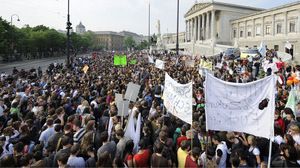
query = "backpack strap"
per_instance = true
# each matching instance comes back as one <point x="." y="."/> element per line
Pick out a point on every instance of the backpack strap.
<point x="58" y="144"/>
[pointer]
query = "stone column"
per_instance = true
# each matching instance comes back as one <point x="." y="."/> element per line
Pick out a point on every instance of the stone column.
<point x="253" y="28"/>
<point x="207" y="26"/>
<point x="273" y="25"/>
<point x="190" y="32"/>
<point x="186" y="31"/>
<point x="202" y="26"/>
<point x="298" y="25"/>
<point x="245" y="30"/>
<point x="213" y="25"/>
<point x="199" y="27"/>
<point x="238" y="30"/>
<point x="285" y="23"/>
<point x="263" y="26"/>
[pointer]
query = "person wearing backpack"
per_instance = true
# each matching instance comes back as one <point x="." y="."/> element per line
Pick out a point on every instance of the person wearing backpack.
<point x="221" y="151"/>
<point x="254" y="153"/>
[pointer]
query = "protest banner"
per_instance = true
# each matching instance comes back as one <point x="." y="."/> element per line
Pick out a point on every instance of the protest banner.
<point x="117" y="60"/>
<point x="178" y="99"/>
<point x="240" y="107"/>
<point x="133" y="62"/>
<point x="190" y="63"/>
<point x="159" y="64"/>
<point x="123" y="60"/>
<point x="132" y="92"/>
<point x="206" y="65"/>
<point x="150" y="59"/>
<point x="122" y="108"/>
<point x="85" y="68"/>
<point x="118" y="97"/>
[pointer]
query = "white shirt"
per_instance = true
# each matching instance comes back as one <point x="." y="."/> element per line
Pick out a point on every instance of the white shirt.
<point x="255" y="151"/>
<point x="223" y="147"/>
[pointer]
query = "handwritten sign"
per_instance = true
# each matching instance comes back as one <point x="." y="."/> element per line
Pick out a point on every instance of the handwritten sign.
<point x="159" y="64"/>
<point x="123" y="108"/>
<point x="118" y="97"/>
<point x="178" y="99"/>
<point x="150" y="59"/>
<point x="132" y="91"/>
<point x="234" y="106"/>
<point x="190" y="63"/>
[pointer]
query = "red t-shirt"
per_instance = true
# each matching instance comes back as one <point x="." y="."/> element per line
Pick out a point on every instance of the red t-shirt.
<point x="190" y="163"/>
<point x="142" y="160"/>
<point x="180" y="139"/>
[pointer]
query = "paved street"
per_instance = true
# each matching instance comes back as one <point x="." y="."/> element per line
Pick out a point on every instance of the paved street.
<point x="28" y="64"/>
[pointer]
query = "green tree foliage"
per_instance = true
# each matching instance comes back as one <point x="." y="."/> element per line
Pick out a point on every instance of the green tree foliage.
<point x="129" y="42"/>
<point x="39" y="41"/>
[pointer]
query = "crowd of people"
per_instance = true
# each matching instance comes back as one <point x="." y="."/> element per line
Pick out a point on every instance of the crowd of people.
<point x="61" y="117"/>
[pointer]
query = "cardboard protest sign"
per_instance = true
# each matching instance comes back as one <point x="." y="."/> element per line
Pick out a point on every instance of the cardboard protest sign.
<point x="190" y="63"/>
<point x="123" y="107"/>
<point x="150" y="59"/>
<point x="159" y="64"/>
<point x="133" y="62"/>
<point x="117" y="60"/>
<point x="85" y="69"/>
<point x="118" y="97"/>
<point x="132" y="92"/>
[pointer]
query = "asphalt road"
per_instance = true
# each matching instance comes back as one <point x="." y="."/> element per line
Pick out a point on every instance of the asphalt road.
<point x="28" y="64"/>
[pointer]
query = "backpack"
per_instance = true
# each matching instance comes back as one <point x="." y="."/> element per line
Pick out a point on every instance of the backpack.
<point x="251" y="159"/>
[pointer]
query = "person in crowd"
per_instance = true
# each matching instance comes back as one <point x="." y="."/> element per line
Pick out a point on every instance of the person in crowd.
<point x="142" y="158"/>
<point x="74" y="160"/>
<point x="182" y="153"/>
<point x="192" y="159"/>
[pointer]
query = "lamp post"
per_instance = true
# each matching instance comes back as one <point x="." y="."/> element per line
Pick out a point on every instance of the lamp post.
<point x="177" y="33"/>
<point x="69" y="24"/>
<point x="149" y="38"/>
<point x="11" y="24"/>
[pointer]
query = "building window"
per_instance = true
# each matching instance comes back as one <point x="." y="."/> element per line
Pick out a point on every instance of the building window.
<point x="276" y="47"/>
<point x="268" y="30"/>
<point x="234" y="33"/>
<point x="257" y="30"/>
<point x="241" y="33"/>
<point x="279" y="28"/>
<point x="292" y="27"/>
<point x="249" y="33"/>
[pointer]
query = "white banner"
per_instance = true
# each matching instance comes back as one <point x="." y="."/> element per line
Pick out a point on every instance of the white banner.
<point x="159" y="64"/>
<point x="178" y="99"/>
<point x="235" y="106"/>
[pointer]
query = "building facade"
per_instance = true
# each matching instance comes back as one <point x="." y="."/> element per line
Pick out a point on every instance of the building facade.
<point x="275" y="27"/>
<point x="80" y="29"/>
<point x="109" y="40"/>
<point x="213" y="27"/>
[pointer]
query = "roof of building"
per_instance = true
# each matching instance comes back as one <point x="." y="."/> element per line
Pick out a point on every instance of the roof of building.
<point x="80" y="25"/>
<point x="108" y="33"/>
<point x="198" y="6"/>
<point x="269" y="10"/>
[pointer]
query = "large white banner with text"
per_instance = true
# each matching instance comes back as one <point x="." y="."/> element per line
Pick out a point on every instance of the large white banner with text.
<point x="178" y="99"/>
<point x="235" y="106"/>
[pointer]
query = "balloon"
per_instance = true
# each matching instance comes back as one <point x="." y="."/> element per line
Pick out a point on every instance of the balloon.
<point x="290" y="78"/>
<point x="296" y="81"/>
<point x="289" y="82"/>
<point x="294" y="75"/>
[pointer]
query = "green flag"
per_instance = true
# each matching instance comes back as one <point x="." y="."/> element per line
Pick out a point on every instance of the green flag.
<point x="117" y="60"/>
<point x="123" y="60"/>
<point x="133" y="62"/>
<point x="291" y="103"/>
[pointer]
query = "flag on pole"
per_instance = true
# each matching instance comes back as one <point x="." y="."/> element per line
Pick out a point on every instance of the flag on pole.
<point x="291" y="103"/>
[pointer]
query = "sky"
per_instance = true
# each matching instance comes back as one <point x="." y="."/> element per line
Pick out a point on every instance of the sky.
<point x="110" y="15"/>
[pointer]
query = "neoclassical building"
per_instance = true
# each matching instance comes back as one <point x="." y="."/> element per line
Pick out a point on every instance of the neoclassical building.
<point x="214" y="26"/>
<point x="80" y="28"/>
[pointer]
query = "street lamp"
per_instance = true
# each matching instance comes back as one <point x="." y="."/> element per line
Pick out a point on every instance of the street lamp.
<point x="11" y="18"/>
<point x="11" y="24"/>
<point x="69" y="24"/>
<point x="149" y="38"/>
<point x="177" y="34"/>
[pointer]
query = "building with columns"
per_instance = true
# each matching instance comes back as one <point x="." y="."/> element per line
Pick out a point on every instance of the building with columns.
<point x="275" y="27"/>
<point x="213" y="27"/>
<point x="80" y="29"/>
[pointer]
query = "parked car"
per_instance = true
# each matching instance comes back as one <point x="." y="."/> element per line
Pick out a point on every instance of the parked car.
<point x="232" y="53"/>
<point x="253" y="52"/>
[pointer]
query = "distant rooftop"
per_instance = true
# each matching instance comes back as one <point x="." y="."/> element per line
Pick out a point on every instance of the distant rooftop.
<point x="271" y="9"/>
<point x="108" y="33"/>
<point x="198" y="6"/>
